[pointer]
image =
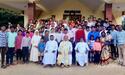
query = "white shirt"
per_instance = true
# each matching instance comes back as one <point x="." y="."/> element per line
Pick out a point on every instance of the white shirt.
<point x="92" y="23"/>
<point x="58" y="37"/>
<point x="86" y="35"/>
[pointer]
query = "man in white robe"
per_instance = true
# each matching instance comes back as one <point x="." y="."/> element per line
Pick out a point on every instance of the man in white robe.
<point x="50" y="52"/>
<point x="82" y="53"/>
<point x="65" y="53"/>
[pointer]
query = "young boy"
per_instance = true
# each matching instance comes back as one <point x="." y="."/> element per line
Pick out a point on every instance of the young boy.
<point x="41" y="47"/>
<point x="18" y="46"/>
<point x="25" y="47"/>
<point x="91" y="52"/>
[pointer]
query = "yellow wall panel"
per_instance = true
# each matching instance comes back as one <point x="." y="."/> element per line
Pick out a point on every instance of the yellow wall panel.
<point x="72" y="5"/>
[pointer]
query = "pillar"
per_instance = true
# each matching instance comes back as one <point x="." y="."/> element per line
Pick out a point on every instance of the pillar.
<point x="108" y="11"/>
<point x="29" y="13"/>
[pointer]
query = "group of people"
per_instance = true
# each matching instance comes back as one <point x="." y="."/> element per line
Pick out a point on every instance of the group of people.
<point x="63" y="43"/>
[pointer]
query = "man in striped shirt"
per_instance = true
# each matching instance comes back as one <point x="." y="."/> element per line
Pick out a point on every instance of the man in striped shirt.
<point x="3" y="45"/>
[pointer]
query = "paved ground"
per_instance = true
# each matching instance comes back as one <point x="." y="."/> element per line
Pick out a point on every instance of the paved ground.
<point x="34" y="69"/>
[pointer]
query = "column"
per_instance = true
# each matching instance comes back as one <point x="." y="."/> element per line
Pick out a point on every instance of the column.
<point x="108" y="11"/>
<point x="31" y="11"/>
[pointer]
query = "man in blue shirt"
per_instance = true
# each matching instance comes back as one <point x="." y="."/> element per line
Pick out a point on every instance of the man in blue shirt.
<point x="120" y="40"/>
<point x="3" y="45"/>
<point x="94" y="33"/>
<point x="11" y="37"/>
<point x="114" y="52"/>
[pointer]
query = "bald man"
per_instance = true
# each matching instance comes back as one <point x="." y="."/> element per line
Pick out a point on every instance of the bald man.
<point x="65" y="53"/>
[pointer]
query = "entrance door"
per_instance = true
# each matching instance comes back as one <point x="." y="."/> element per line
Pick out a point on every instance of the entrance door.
<point x="72" y="14"/>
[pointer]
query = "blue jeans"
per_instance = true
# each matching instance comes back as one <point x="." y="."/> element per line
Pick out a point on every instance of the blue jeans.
<point x="9" y="55"/>
<point x="25" y="54"/>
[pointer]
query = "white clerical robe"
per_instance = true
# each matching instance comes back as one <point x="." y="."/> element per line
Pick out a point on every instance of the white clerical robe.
<point x="82" y="56"/>
<point x="50" y="57"/>
<point x="34" y="50"/>
<point x="64" y="48"/>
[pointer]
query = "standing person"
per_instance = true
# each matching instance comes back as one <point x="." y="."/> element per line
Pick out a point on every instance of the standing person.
<point x="41" y="48"/>
<point x="50" y="52"/>
<point x="82" y="52"/>
<point x="121" y="45"/>
<point x="11" y="37"/>
<point x="87" y="30"/>
<point x="3" y="45"/>
<point x="30" y="33"/>
<point x="97" y="47"/>
<point x="25" y="46"/>
<point x="93" y="32"/>
<point x="113" y="45"/>
<point x="52" y="32"/>
<point x="34" y="50"/>
<point x="18" y="46"/>
<point x="91" y="52"/>
<point x="65" y="53"/>
<point x="66" y="33"/>
<point x="58" y="35"/>
<point x="105" y="55"/>
<point x="46" y="36"/>
<point x="79" y="34"/>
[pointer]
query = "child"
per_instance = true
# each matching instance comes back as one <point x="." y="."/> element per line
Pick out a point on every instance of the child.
<point x="18" y="46"/>
<point x="91" y="43"/>
<point x="97" y="51"/>
<point x="41" y="47"/>
<point x="25" y="47"/>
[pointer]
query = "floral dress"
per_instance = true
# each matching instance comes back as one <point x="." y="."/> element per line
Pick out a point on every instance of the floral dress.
<point x="105" y="54"/>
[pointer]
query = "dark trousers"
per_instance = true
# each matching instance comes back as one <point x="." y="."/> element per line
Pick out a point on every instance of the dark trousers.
<point x="9" y="55"/>
<point x="97" y="57"/>
<point x="18" y="54"/>
<point x="91" y="56"/>
<point x="73" y="53"/>
<point x="25" y="54"/>
<point x="114" y="53"/>
<point x="3" y="53"/>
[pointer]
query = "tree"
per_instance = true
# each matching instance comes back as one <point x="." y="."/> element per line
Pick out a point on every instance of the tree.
<point x="7" y="15"/>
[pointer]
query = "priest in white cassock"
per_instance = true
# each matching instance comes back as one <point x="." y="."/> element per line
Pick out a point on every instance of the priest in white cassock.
<point x="82" y="53"/>
<point x="65" y="53"/>
<point x="50" y="52"/>
<point x="34" y="50"/>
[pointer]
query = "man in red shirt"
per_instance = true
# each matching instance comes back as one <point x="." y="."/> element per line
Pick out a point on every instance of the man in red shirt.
<point x="79" y="34"/>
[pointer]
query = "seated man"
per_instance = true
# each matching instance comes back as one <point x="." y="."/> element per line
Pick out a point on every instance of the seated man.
<point x="65" y="53"/>
<point x="82" y="52"/>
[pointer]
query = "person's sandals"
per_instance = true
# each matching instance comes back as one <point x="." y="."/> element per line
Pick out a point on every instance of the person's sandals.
<point x="3" y="66"/>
